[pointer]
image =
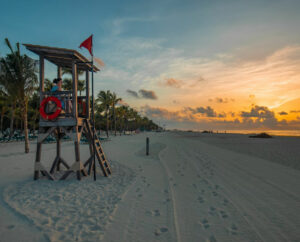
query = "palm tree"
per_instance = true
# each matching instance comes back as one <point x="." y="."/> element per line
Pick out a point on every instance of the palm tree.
<point x="114" y="101"/>
<point x="48" y="85"/>
<point x="80" y="86"/>
<point x="20" y="70"/>
<point x="105" y="99"/>
<point x="4" y="108"/>
<point x="67" y="82"/>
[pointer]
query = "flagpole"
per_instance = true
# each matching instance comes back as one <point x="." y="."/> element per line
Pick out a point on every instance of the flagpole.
<point x="93" y="118"/>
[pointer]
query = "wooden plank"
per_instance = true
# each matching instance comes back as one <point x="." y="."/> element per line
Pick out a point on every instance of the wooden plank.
<point x="87" y="91"/>
<point x="42" y="137"/>
<point x="74" y="83"/>
<point x="42" y="75"/>
<point x="69" y="121"/>
<point x="64" y="163"/>
<point x="54" y="165"/>
<point x="59" y="72"/>
<point x="47" y="50"/>
<point x="37" y="159"/>
<point x="65" y="175"/>
<point x="77" y="158"/>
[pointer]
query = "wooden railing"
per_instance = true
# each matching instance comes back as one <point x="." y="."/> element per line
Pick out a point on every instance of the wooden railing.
<point x="66" y="99"/>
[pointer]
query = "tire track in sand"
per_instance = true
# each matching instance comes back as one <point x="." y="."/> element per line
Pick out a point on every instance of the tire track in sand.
<point x="168" y="173"/>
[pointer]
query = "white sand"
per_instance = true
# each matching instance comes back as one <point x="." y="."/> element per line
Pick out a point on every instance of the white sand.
<point x="193" y="187"/>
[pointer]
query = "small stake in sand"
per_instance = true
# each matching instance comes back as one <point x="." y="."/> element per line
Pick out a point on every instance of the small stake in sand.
<point x="147" y="146"/>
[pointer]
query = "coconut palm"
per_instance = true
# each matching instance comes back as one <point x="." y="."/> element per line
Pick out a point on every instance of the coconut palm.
<point x="4" y="108"/>
<point x="20" y="70"/>
<point x="7" y="84"/>
<point x="67" y="82"/>
<point x="114" y="101"/>
<point x="105" y="99"/>
<point x="48" y="85"/>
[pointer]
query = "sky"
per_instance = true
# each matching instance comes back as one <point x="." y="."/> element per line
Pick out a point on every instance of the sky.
<point x="219" y="65"/>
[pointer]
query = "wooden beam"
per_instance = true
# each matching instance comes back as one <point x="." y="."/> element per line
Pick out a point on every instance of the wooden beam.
<point x="42" y="137"/>
<point x="59" y="72"/>
<point x="42" y="75"/>
<point x="74" y="98"/>
<point x="87" y="91"/>
<point x="37" y="159"/>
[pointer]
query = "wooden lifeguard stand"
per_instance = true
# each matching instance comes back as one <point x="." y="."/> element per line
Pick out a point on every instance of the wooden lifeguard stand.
<point x="71" y="122"/>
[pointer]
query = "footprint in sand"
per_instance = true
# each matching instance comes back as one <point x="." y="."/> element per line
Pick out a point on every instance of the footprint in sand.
<point x="160" y="231"/>
<point x="204" y="223"/>
<point x="10" y="227"/>
<point x="155" y="213"/>
<point x="233" y="229"/>
<point x="223" y="214"/>
<point x="212" y="239"/>
<point x="200" y="199"/>
<point x="212" y="210"/>
<point x="225" y="202"/>
<point x="215" y="194"/>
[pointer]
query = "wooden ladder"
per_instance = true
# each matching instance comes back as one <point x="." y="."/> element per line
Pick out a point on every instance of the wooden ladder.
<point x="106" y="169"/>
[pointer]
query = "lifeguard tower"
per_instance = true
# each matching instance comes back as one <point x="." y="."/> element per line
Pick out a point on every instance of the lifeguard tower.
<point x="73" y="120"/>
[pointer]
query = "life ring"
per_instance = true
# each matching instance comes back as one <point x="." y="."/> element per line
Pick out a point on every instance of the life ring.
<point x="81" y="107"/>
<point x="54" y="114"/>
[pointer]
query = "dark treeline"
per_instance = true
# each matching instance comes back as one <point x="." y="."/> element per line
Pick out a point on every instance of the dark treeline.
<point x="19" y="101"/>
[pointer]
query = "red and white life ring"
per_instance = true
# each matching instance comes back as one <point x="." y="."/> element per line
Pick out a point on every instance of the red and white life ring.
<point x="57" y="111"/>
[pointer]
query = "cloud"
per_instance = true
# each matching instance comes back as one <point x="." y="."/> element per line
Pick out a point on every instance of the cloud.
<point x="132" y="93"/>
<point x="260" y="112"/>
<point x="295" y="111"/>
<point x="171" y="82"/>
<point x="208" y="111"/>
<point x="147" y="94"/>
<point x="224" y="100"/>
<point x="204" y="111"/>
<point x="142" y="94"/>
<point x="258" y="117"/>
<point x="283" y="113"/>
<point x="160" y="113"/>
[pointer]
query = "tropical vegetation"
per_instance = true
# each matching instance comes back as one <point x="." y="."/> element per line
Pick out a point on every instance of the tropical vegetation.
<point x="19" y="101"/>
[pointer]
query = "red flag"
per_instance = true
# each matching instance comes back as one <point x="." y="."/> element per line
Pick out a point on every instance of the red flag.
<point x="88" y="44"/>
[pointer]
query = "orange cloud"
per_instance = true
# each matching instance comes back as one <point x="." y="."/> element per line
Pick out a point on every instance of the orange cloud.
<point x="171" y="82"/>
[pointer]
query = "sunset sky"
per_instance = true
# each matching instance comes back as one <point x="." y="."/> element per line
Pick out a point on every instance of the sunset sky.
<point x="219" y="65"/>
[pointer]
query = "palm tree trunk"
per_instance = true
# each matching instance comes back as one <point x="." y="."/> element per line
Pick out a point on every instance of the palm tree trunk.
<point x="11" y="126"/>
<point x="115" y="121"/>
<point x="2" y="117"/>
<point x="107" y="123"/>
<point x="26" y="126"/>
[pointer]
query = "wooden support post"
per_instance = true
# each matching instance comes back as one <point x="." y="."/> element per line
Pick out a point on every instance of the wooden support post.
<point x="74" y="98"/>
<point x="87" y="91"/>
<point x="147" y="146"/>
<point x="42" y="76"/>
<point x="58" y="146"/>
<point x="38" y="159"/>
<point x="77" y="157"/>
<point x="59" y="72"/>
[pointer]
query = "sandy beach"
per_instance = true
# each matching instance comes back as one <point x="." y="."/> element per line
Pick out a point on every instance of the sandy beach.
<point x="192" y="187"/>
